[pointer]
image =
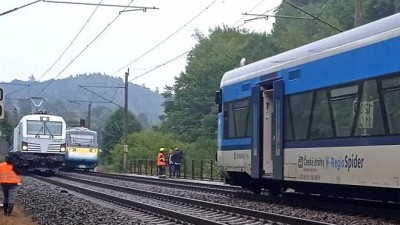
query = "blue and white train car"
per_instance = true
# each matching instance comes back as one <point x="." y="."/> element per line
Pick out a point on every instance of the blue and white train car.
<point x="39" y="142"/>
<point x="320" y="118"/>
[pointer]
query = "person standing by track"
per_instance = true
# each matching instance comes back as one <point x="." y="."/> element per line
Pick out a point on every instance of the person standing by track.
<point x="171" y="164"/>
<point x="161" y="163"/>
<point x="177" y="159"/>
<point x="9" y="180"/>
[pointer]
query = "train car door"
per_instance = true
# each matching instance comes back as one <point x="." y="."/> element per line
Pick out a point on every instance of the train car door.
<point x="267" y="115"/>
<point x="277" y="130"/>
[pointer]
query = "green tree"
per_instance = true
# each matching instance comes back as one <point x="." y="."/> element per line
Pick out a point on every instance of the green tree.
<point x="143" y="145"/>
<point x="378" y="9"/>
<point x="114" y="130"/>
<point x="189" y="108"/>
<point x="6" y="126"/>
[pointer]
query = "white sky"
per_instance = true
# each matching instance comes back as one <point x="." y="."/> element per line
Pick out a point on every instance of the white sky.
<point x="33" y="38"/>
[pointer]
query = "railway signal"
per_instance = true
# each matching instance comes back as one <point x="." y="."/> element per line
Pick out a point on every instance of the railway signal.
<point x="1" y="104"/>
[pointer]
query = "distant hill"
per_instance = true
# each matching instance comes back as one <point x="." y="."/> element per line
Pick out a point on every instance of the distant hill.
<point x="142" y="101"/>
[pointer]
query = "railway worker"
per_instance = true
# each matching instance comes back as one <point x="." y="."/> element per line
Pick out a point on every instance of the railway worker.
<point x="9" y="180"/>
<point x="171" y="163"/>
<point x="161" y="163"/>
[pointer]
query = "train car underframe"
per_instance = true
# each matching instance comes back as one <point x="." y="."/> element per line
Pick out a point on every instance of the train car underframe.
<point x="44" y="162"/>
<point x="277" y="187"/>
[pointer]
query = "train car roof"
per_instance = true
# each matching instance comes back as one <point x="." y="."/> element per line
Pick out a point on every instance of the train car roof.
<point x="70" y="129"/>
<point x="40" y="116"/>
<point x="332" y="45"/>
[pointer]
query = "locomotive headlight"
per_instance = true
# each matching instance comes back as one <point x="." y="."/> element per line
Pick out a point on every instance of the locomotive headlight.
<point x="62" y="149"/>
<point x="24" y="146"/>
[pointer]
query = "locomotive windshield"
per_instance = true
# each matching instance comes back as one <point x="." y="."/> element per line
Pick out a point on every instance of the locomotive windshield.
<point x="82" y="139"/>
<point x="44" y="128"/>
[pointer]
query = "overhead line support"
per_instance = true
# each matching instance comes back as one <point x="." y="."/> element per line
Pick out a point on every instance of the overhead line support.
<point x="144" y="8"/>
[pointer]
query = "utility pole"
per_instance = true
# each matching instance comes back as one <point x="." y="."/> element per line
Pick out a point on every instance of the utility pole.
<point x="124" y="163"/>
<point x="358" y="13"/>
<point x="88" y="117"/>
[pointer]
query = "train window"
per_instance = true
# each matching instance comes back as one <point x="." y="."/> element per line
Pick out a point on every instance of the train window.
<point x="393" y="82"/>
<point x="391" y="96"/>
<point x="321" y="126"/>
<point x="369" y="114"/>
<point x="237" y="119"/>
<point x="288" y="121"/>
<point x="53" y="128"/>
<point x="343" y="100"/>
<point x="344" y="91"/>
<point x="35" y="127"/>
<point x="81" y="140"/>
<point x="300" y="106"/>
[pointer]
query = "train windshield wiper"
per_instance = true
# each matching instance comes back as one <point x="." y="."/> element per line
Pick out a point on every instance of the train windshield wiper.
<point x="47" y="128"/>
<point x="38" y="133"/>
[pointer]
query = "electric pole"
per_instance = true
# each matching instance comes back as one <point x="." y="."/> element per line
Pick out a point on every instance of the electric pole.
<point x="89" y="108"/>
<point x="125" y="123"/>
<point x="88" y="116"/>
<point x="358" y="13"/>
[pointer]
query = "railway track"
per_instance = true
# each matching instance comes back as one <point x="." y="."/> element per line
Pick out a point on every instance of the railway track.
<point x="364" y="208"/>
<point x="185" y="210"/>
<point x="176" y="183"/>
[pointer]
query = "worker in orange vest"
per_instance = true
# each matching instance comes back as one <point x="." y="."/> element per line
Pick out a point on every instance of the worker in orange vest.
<point x="9" y="180"/>
<point x="161" y="163"/>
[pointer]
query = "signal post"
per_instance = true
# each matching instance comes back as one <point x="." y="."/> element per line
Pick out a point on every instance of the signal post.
<point x="2" y="111"/>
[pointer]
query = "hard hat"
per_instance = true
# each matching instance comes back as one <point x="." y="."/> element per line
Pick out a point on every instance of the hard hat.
<point x="161" y="149"/>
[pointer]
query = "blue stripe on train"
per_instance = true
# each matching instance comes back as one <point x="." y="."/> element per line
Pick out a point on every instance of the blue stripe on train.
<point x="342" y="142"/>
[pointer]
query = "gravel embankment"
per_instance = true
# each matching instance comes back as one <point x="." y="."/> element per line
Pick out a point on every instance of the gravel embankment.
<point x="50" y="205"/>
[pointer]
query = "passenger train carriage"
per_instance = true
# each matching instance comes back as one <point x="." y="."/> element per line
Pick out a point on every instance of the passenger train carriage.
<point x="39" y="142"/>
<point x="82" y="149"/>
<point x="321" y="118"/>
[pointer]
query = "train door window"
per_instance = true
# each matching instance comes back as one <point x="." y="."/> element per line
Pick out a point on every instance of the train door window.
<point x="369" y="114"/>
<point x="288" y="121"/>
<point x="391" y="96"/>
<point x="343" y="101"/>
<point x="300" y="105"/>
<point x="321" y="126"/>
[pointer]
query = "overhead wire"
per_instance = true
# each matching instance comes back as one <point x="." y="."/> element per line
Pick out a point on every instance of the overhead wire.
<point x="251" y="10"/>
<point x="167" y="38"/>
<point x="161" y="65"/>
<point x="269" y="10"/>
<point x="17" y="8"/>
<point x="72" y="42"/>
<point x="80" y="53"/>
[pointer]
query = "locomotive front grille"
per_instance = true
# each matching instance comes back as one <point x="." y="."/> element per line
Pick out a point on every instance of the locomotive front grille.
<point x="44" y="147"/>
<point x="54" y="148"/>
<point x="34" y="147"/>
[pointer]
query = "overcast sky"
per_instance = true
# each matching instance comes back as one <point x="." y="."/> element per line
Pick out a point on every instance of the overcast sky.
<point x="33" y="38"/>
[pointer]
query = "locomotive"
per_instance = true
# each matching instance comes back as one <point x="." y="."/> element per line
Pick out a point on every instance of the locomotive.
<point x="82" y="149"/>
<point x="39" y="142"/>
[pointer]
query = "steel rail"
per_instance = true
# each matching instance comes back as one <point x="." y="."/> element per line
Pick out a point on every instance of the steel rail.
<point x="216" y="206"/>
<point x="132" y="204"/>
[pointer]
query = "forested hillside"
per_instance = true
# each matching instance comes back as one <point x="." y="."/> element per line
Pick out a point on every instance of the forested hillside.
<point x="66" y="97"/>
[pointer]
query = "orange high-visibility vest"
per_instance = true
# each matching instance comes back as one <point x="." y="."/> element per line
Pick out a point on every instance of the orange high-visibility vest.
<point x="161" y="159"/>
<point x="7" y="174"/>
